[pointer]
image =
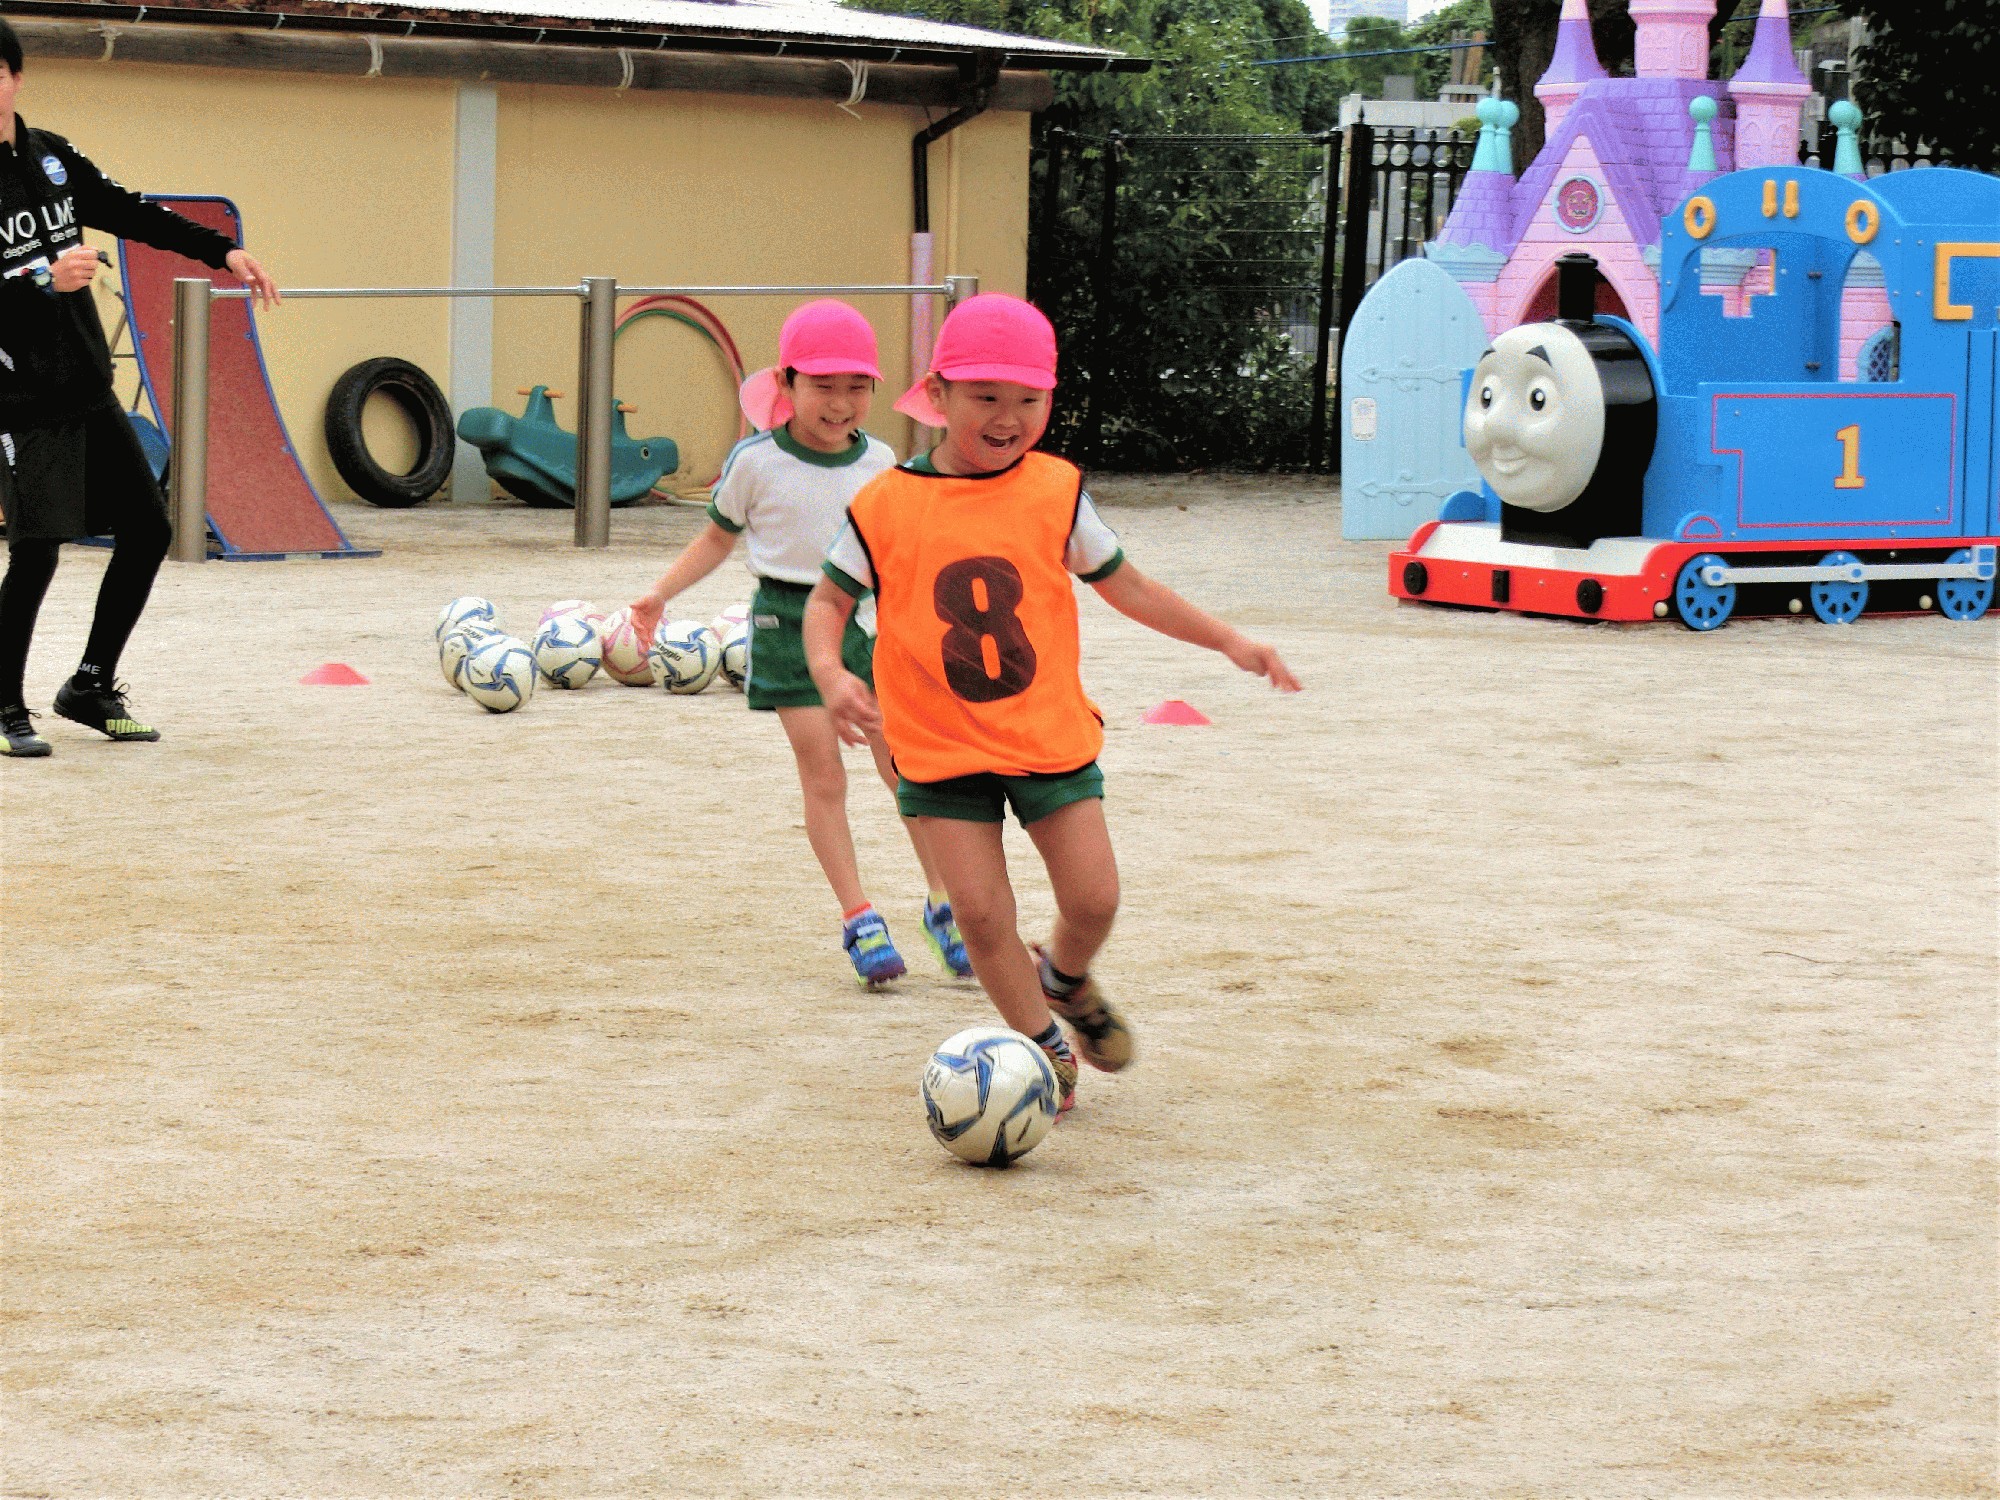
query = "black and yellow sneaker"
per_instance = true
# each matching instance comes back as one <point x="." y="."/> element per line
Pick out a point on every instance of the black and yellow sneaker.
<point x="17" y="727"/>
<point x="102" y="709"/>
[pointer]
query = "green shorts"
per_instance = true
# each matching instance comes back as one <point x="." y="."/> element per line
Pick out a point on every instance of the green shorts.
<point x="985" y="798"/>
<point x="778" y="675"/>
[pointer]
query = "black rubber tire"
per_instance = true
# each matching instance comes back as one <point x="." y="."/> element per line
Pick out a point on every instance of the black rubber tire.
<point x="419" y="396"/>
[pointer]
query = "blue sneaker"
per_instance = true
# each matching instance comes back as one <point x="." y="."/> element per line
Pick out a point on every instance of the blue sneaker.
<point x="941" y="932"/>
<point x="866" y="939"/>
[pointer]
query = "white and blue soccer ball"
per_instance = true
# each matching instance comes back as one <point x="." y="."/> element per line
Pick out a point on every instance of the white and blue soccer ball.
<point x="570" y="607"/>
<point x="736" y="654"/>
<point x="990" y="1095"/>
<point x="458" y="643"/>
<point x="567" y="650"/>
<point x="686" y="655"/>
<point x="464" y="610"/>
<point x="499" y="674"/>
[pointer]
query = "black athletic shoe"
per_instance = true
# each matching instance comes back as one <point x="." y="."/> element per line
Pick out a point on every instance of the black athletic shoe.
<point x="22" y="741"/>
<point x="102" y="709"/>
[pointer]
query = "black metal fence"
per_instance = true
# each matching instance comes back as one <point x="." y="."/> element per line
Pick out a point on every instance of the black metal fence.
<point x="1198" y="282"/>
<point x="1877" y="156"/>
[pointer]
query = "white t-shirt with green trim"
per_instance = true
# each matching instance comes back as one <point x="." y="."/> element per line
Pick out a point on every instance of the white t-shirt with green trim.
<point x="789" y="501"/>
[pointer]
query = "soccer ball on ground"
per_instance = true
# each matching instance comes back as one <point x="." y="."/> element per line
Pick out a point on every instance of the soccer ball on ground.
<point x="736" y="614"/>
<point x="571" y="607"/>
<point x="686" y="656"/>
<point x="989" y="1095"/>
<point x="567" y="650"/>
<point x="499" y="674"/>
<point x="626" y="657"/>
<point x="458" y="643"/>
<point x="470" y="607"/>
<point x="736" y="654"/>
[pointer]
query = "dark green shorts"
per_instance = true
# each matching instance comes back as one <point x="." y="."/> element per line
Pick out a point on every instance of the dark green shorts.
<point x="778" y="675"/>
<point x="986" y="797"/>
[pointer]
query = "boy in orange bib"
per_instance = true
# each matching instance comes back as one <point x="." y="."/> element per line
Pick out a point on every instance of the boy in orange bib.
<point x="969" y="551"/>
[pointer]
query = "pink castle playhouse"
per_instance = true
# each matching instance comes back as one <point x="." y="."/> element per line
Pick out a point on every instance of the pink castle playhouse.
<point x="1623" y="152"/>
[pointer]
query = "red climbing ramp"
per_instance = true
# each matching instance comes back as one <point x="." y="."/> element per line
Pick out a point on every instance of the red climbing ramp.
<point x="260" y="503"/>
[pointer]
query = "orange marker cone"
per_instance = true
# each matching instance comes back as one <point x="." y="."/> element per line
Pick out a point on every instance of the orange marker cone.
<point x="334" y="674"/>
<point x="1174" y="711"/>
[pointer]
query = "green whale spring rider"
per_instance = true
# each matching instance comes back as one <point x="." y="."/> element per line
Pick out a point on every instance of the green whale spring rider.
<point x="533" y="458"/>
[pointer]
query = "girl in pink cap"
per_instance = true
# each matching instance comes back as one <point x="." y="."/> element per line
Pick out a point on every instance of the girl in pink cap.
<point x="785" y="492"/>
<point x="970" y="551"/>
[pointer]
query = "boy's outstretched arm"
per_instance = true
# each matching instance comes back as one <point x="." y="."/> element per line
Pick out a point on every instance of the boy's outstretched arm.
<point x="1158" y="607"/>
<point x="855" y="713"/>
<point x="699" y="558"/>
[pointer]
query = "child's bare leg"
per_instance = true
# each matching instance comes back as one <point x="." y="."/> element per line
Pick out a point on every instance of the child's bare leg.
<point x="886" y="769"/>
<point x="1075" y="845"/>
<point x="823" y="782"/>
<point x="974" y="866"/>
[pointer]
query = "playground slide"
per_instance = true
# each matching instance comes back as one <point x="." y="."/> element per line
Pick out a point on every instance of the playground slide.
<point x="260" y="503"/>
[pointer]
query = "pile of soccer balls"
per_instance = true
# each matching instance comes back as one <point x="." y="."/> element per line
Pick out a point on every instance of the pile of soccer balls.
<point x="575" y="641"/>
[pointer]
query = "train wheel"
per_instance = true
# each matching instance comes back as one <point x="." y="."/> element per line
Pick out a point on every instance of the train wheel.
<point x="1702" y="605"/>
<point x="1839" y="603"/>
<point x="1963" y="598"/>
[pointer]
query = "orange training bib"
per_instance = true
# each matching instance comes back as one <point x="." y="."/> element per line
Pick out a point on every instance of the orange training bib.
<point x="976" y="659"/>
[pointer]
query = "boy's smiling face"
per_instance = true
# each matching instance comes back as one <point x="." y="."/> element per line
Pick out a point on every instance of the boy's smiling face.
<point x="989" y="424"/>
<point x="827" y="408"/>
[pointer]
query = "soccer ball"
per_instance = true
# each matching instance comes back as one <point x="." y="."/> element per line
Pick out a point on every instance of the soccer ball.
<point x="626" y="658"/>
<point x="736" y="614"/>
<point x="570" y="607"/>
<point x="990" y="1095"/>
<point x="686" y="656"/>
<point x="463" y="610"/>
<point x="736" y="653"/>
<point x="458" y="643"/>
<point x="499" y="674"/>
<point x="567" y="650"/>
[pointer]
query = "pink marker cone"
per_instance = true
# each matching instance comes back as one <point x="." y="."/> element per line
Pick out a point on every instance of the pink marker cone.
<point x="334" y="674"/>
<point x="1175" y="711"/>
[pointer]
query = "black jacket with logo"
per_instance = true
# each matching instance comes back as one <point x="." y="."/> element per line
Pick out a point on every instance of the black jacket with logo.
<point x="54" y="362"/>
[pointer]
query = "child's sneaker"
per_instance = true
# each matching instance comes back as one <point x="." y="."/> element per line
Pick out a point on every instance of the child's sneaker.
<point x="1065" y="1081"/>
<point x="941" y="932"/>
<point x="1101" y="1033"/>
<point x="102" y="709"/>
<point x="866" y="939"/>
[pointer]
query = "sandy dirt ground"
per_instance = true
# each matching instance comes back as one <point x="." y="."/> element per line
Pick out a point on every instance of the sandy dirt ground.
<point x="1568" y="1063"/>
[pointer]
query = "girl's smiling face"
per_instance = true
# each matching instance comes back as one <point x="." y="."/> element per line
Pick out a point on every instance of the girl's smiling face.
<point x="989" y="424"/>
<point x="826" y="409"/>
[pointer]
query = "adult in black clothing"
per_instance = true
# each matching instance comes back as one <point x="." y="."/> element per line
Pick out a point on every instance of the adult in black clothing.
<point x="70" y="465"/>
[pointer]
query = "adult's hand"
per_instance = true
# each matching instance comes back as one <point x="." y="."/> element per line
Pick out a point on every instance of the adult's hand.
<point x="262" y="288"/>
<point x="74" y="269"/>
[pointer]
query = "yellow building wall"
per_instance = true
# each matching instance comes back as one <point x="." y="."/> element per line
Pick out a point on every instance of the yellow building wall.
<point x="341" y="182"/>
<point x="348" y="182"/>
<point x="688" y="189"/>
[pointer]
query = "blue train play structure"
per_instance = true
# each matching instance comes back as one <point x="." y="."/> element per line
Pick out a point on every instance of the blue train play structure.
<point x="1733" y="471"/>
<point x="533" y="457"/>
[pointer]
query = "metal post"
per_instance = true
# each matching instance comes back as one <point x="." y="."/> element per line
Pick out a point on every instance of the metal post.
<point x="597" y="340"/>
<point x="1360" y="178"/>
<point x="190" y="434"/>
<point x="958" y="289"/>
<point x="1322" y="346"/>
<point x="1100" y="331"/>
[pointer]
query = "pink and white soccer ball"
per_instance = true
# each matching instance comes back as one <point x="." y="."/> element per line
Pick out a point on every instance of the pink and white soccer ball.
<point x="571" y="607"/>
<point x="627" y="655"/>
<point x="736" y="614"/>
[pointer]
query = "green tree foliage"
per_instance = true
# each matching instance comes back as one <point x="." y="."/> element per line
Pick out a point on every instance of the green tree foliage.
<point x="1930" y="73"/>
<point x="1190" y="359"/>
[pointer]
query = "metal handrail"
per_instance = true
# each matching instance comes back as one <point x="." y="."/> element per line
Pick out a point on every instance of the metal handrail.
<point x="596" y="340"/>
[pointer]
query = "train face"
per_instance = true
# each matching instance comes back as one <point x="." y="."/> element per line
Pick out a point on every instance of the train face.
<point x="1736" y="472"/>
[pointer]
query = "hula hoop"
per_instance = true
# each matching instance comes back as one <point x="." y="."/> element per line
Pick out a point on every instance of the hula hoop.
<point x="704" y="321"/>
